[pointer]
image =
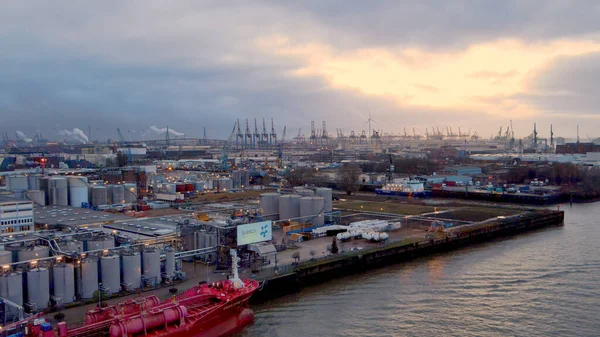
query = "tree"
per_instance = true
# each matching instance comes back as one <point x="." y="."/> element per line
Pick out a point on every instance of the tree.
<point x="296" y="256"/>
<point x="334" y="246"/>
<point x="313" y="253"/>
<point x="299" y="176"/>
<point x="348" y="178"/>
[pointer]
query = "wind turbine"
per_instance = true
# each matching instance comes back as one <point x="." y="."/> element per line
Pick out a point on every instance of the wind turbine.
<point x="369" y="122"/>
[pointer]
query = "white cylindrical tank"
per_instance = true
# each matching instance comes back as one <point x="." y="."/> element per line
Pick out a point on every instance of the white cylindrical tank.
<point x="132" y="270"/>
<point x="58" y="191"/>
<point x="64" y="282"/>
<point x="11" y="288"/>
<point x="225" y="184"/>
<point x="100" y="242"/>
<point x="33" y="253"/>
<point x="289" y="206"/>
<point x="312" y="209"/>
<point x="131" y="193"/>
<point x="305" y="192"/>
<point x="170" y="262"/>
<point x="5" y="257"/>
<point x="269" y="202"/>
<point x="38" y="288"/>
<point x="99" y="196"/>
<point x="17" y="183"/>
<point x="109" y="273"/>
<point x="151" y="266"/>
<point x="33" y="181"/>
<point x="89" y="277"/>
<point x="78" y="191"/>
<point x="118" y="194"/>
<point x="327" y="195"/>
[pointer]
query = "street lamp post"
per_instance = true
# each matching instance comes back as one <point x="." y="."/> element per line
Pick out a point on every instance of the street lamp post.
<point x="99" y="295"/>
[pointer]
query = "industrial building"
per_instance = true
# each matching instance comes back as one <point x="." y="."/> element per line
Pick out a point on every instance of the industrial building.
<point x="16" y="216"/>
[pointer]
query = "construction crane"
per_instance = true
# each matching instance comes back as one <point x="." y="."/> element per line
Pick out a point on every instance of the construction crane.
<point x="129" y="155"/>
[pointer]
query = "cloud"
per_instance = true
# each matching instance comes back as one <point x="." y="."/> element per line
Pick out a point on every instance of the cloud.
<point x="75" y="134"/>
<point x="162" y="131"/>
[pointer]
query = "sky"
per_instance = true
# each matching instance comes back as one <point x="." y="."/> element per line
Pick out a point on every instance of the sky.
<point x="144" y="65"/>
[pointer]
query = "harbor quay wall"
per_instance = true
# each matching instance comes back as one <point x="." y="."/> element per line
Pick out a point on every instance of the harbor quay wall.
<point x="327" y="269"/>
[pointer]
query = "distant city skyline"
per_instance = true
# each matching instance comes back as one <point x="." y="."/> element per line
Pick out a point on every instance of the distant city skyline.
<point x="192" y="64"/>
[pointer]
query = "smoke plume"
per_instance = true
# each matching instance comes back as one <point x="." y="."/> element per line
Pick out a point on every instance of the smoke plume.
<point x="75" y="134"/>
<point x="161" y="131"/>
<point x="24" y="137"/>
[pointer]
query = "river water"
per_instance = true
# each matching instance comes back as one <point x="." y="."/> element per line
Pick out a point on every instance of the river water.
<point x="541" y="283"/>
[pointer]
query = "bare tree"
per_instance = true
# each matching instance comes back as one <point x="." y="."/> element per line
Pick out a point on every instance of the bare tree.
<point x="348" y="178"/>
<point x="296" y="256"/>
<point x="299" y="176"/>
<point x="313" y="253"/>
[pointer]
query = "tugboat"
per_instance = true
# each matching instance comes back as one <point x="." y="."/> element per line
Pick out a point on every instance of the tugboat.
<point x="209" y="310"/>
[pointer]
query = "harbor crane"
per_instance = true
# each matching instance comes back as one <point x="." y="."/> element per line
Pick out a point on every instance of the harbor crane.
<point x="129" y="155"/>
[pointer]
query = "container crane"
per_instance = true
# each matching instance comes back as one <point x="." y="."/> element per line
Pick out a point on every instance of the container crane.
<point x="129" y="155"/>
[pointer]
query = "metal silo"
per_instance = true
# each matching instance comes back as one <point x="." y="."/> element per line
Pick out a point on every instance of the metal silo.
<point x="236" y="177"/>
<point x="33" y="253"/>
<point x="269" y="202"/>
<point x="110" y="273"/>
<point x="38" y="288"/>
<point x="78" y="191"/>
<point x="17" y="183"/>
<point x="132" y="270"/>
<point x="131" y="193"/>
<point x="151" y="266"/>
<point x="327" y="195"/>
<point x="311" y="210"/>
<point x="305" y="192"/>
<point x="170" y="262"/>
<point x="118" y="194"/>
<point x="89" y="277"/>
<point x="200" y="239"/>
<point x="199" y="185"/>
<point x="44" y="186"/>
<point x="11" y="288"/>
<point x="99" y="196"/>
<point x="5" y="257"/>
<point x="64" y="282"/>
<point x="110" y="190"/>
<point x="33" y="181"/>
<point x="58" y="190"/>
<point x="289" y="206"/>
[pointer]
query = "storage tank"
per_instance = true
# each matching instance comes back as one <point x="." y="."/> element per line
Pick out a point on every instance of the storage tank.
<point x="199" y="186"/>
<point x="11" y="288"/>
<point x="99" y="195"/>
<point x="132" y="270"/>
<point x="131" y="193"/>
<point x="171" y="188"/>
<point x="189" y="187"/>
<point x="289" y="206"/>
<point x="305" y="192"/>
<point x="38" y="288"/>
<point x="17" y="183"/>
<point x="236" y="176"/>
<point x="109" y="273"/>
<point x="100" y="242"/>
<point x="109" y="194"/>
<point x="245" y="178"/>
<point x="118" y="194"/>
<point x="269" y="202"/>
<point x="58" y="191"/>
<point x="180" y="187"/>
<point x="64" y="282"/>
<point x="36" y="196"/>
<point x="44" y="186"/>
<point x="33" y="253"/>
<point x="33" y="181"/>
<point x="71" y="246"/>
<point x="89" y="277"/>
<point x="78" y="191"/>
<point x="170" y="262"/>
<point x="199" y="238"/>
<point x="225" y="184"/>
<point x="5" y="257"/>
<point x="327" y="195"/>
<point x="151" y="266"/>
<point x="311" y="210"/>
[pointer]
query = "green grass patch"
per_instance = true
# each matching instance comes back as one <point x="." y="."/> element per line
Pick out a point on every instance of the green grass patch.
<point x="477" y="214"/>
<point x="386" y="207"/>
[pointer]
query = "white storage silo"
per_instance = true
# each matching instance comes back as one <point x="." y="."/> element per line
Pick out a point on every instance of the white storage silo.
<point x="151" y="266"/>
<point x="33" y="181"/>
<point x="33" y="253"/>
<point x="38" y="288"/>
<point x="269" y="202"/>
<point x="289" y="206"/>
<point x="58" y="191"/>
<point x="5" y="257"/>
<point x="99" y="196"/>
<point x="17" y="183"/>
<point x="132" y="270"/>
<point x="64" y="282"/>
<point x="305" y="192"/>
<point x="118" y="194"/>
<point x="312" y="209"/>
<point x="170" y="262"/>
<point x="109" y="273"/>
<point x="131" y="193"/>
<point x="11" y="288"/>
<point x="89" y="277"/>
<point x="78" y="191"/>
<point x="327" y="195"/>
<point x="110" y="191"/>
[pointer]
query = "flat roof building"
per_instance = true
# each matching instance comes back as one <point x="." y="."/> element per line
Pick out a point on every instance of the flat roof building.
<point x="16" y="216"/>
